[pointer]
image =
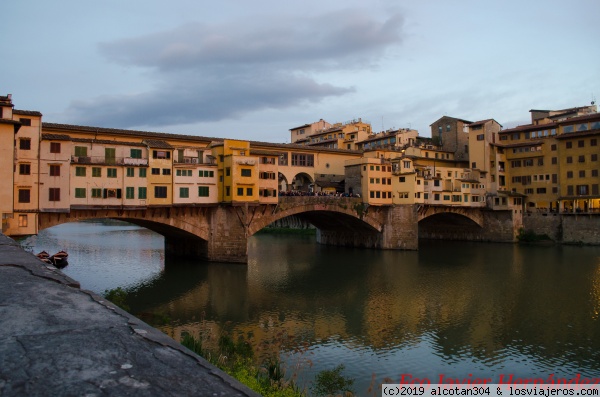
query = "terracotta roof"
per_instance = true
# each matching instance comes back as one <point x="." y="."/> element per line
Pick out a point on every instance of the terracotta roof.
<point x="56" y="137"/>
<point x="483" y="122"/>
<point x="27" y="112"/>
<point x="259" y="152"/>
<point x="453" y="118"/>
<point x="107" y="142"/>
<point x="156" y="144"/>
<point x="9" y="121"/>
<point x="578" y="134"/>
<point x="520" y="144"/>
<point x="121" y="132"/>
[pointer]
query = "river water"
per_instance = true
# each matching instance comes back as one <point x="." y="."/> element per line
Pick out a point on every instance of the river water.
<point x="450" y="310"/>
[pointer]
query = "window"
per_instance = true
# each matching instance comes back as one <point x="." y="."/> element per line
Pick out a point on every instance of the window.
<point x="142" y="172"/>
<point x="240" y="191"/>
<point x="24" y="169"/>
<point x="111" y="172"/>
<point x="155" y="171"/>
<point x="25" y="144"/>
<point x="203" y="191"/>
<point x="594" y="157"/>
<point x="593" y="142"/>
<point x="112" y="193"/>
<point x="161" y="154"/>
<point x="129" y="192"/>
<point x="23" y="220"/>
<point x="184" y="192"/>
<point x="54" y="147"/>
<point x="553" y="147"/>
<point x="96" y="172"/>
<point x="246" y="172"/>
<point x="206" y="174"/>
<point x="569" y="145"/>
<point x="135" y="153"/>
<point x="160" y="191"/>
<point x="54" y="170"/>
<point x="303" y="160"/>
<point x="582" y="159"/>
<point x="24" y="196"/>
<point x="54" y="194"/>
<point x="166" y="171"/>
<point x="570" y="190"/>
<point x="142" y="191"/>
<point x="480" y="137"/>
<point x="554" y="160"/>
<point x="583" y="190"/>
<point x="26" y="122"/>
<point x="227" y="191"/>
<point x="569" y="160"/>
<point x="540" y="161"/>
<point x="130" y="171"/>
<point x="80" y="171"/>
<point x="448" y="127"/>
<point x="406" y="164"/>
<point x="96" y="193"/>
<point x="582" y="173"/>
<point x="110" y="155"/>
<point x="227" y="171"/>
<point x="595" y="189"/>
<point x="581" y="143"/>
<point x="569" y="174"/>
<point x="79" y="192"/>
<point x="595" y="172"/>
<point x="541" y="190"/>
<point x="80" y="151"/>
<point x="568" y="128"/>
<point x="554" y="178"/>
<point x="248" y="191"/>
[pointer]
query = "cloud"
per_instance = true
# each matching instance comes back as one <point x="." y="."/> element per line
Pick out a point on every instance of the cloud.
<point x="205" y="72"/>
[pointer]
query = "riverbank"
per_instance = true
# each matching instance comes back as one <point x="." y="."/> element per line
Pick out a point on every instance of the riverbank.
<point x="57" y="339"/>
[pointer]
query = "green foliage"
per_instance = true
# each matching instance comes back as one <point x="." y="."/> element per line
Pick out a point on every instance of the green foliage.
<point x="118" y="296"/>
<point x="529" y="236"/>
<point x="330" y="382"/>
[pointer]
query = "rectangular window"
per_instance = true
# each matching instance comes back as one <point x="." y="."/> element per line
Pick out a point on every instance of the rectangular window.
<point x="130" y="171"/>
<point x="593" y="142"/>
<point x="480" y="137"/>
<point x="581" y="143"/>
<point x="160" y="191"/>
<point x="111" y="172"/>
<point x="135" y="153"/>
<point x="54" y="147"/>
<point x="569" y="174"/>
<point x="25" y="144"/>
<point x="246" y="172"/>
<point x="166" y="171"/>
<point x="554" y="160"/>
<point x="129" y="192"/>
<point x="112" y="193"/>
<point x="540" y="161"/>
<point x="96" y="193"/>
<point x="569" y="145"/>
<point x="582" y="159"/>
<point x="184" y="192"/>
<point x="96" y="172"/>
<point x="54" y="194"/>
<point x="23" y="220"/>
<point x="80" y="151"/>
<point x="569" y="160"/>
<point x="594" y="157"/>
<point x="582" y="173"/>
<point x="595" y="188"/>
<point x="55" y="170"/>
<point x="570" y="190"/>
<point x="24" y="169"/>
<point x="142" y="191"/>
<point x="554" y="178"/>
<point x="155" y="171"/>
<point x="79" y="192"/>
<point x="553" y="147"/>
<point x="240" y="191"/>
<point x="595" y="172"/>
<point x="227" y="171"/>
<point x="26" y="122"/>
<point x="583" y="190"/>
<point x="24" y="195"/>
<point x="161" y="154"/>
<point x="110" y="155"/>
<point x="80" y="171"/>
<point x="142" y="172"/>
<point x="227" y="191"/>
<point x="303" y="160"/>
<point x="248" y="191"/>
<point x="203" y="191"/>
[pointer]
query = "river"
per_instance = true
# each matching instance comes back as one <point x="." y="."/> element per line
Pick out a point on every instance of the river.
<point x="450" y="310"/>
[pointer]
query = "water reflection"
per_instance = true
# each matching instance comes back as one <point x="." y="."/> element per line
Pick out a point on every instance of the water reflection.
<point x="450" y="308"/>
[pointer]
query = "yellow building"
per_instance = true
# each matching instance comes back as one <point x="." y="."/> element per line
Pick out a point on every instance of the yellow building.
<point x="8" y="131"/>
<point x="339" y="136"/>
<point x="237" y="172"/>
<point x="554" y="163"/>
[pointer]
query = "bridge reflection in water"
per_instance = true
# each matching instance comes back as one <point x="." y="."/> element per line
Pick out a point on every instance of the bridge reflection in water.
<point x="455" y="308"/>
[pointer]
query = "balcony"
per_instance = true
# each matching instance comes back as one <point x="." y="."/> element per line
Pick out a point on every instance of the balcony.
<point x="102" y="160"/>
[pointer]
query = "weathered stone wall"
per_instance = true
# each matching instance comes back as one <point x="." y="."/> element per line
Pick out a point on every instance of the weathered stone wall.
<point x="581" y="229"/>
<point x="228" y="241"/>
<point x="548" y="224"/>
<point x="291" y="222"/>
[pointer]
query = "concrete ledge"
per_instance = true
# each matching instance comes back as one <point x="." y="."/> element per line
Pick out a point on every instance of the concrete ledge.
<point x="56" y="339"/>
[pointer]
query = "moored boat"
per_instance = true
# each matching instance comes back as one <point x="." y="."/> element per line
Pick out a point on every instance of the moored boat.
<point x="45" y="257"/>
<point x="60" y="259"/>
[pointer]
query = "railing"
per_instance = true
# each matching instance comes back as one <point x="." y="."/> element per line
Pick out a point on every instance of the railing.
<point x="108" y="160"/>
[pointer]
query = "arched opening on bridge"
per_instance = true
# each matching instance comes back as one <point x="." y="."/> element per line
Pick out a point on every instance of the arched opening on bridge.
<point x="449" y="226"/>
<point x="303" y="182"/>
<point x="333" y="228"/>
<point x="283" y="183"/>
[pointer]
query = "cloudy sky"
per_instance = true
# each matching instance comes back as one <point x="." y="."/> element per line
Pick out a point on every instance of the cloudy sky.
<point x="254" y="69"/>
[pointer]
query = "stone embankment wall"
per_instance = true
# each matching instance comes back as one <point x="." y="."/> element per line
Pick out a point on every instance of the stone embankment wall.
<point x="565" y="228"/>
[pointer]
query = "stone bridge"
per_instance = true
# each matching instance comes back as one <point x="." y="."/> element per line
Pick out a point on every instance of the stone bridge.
<point x="220" y="232"/>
